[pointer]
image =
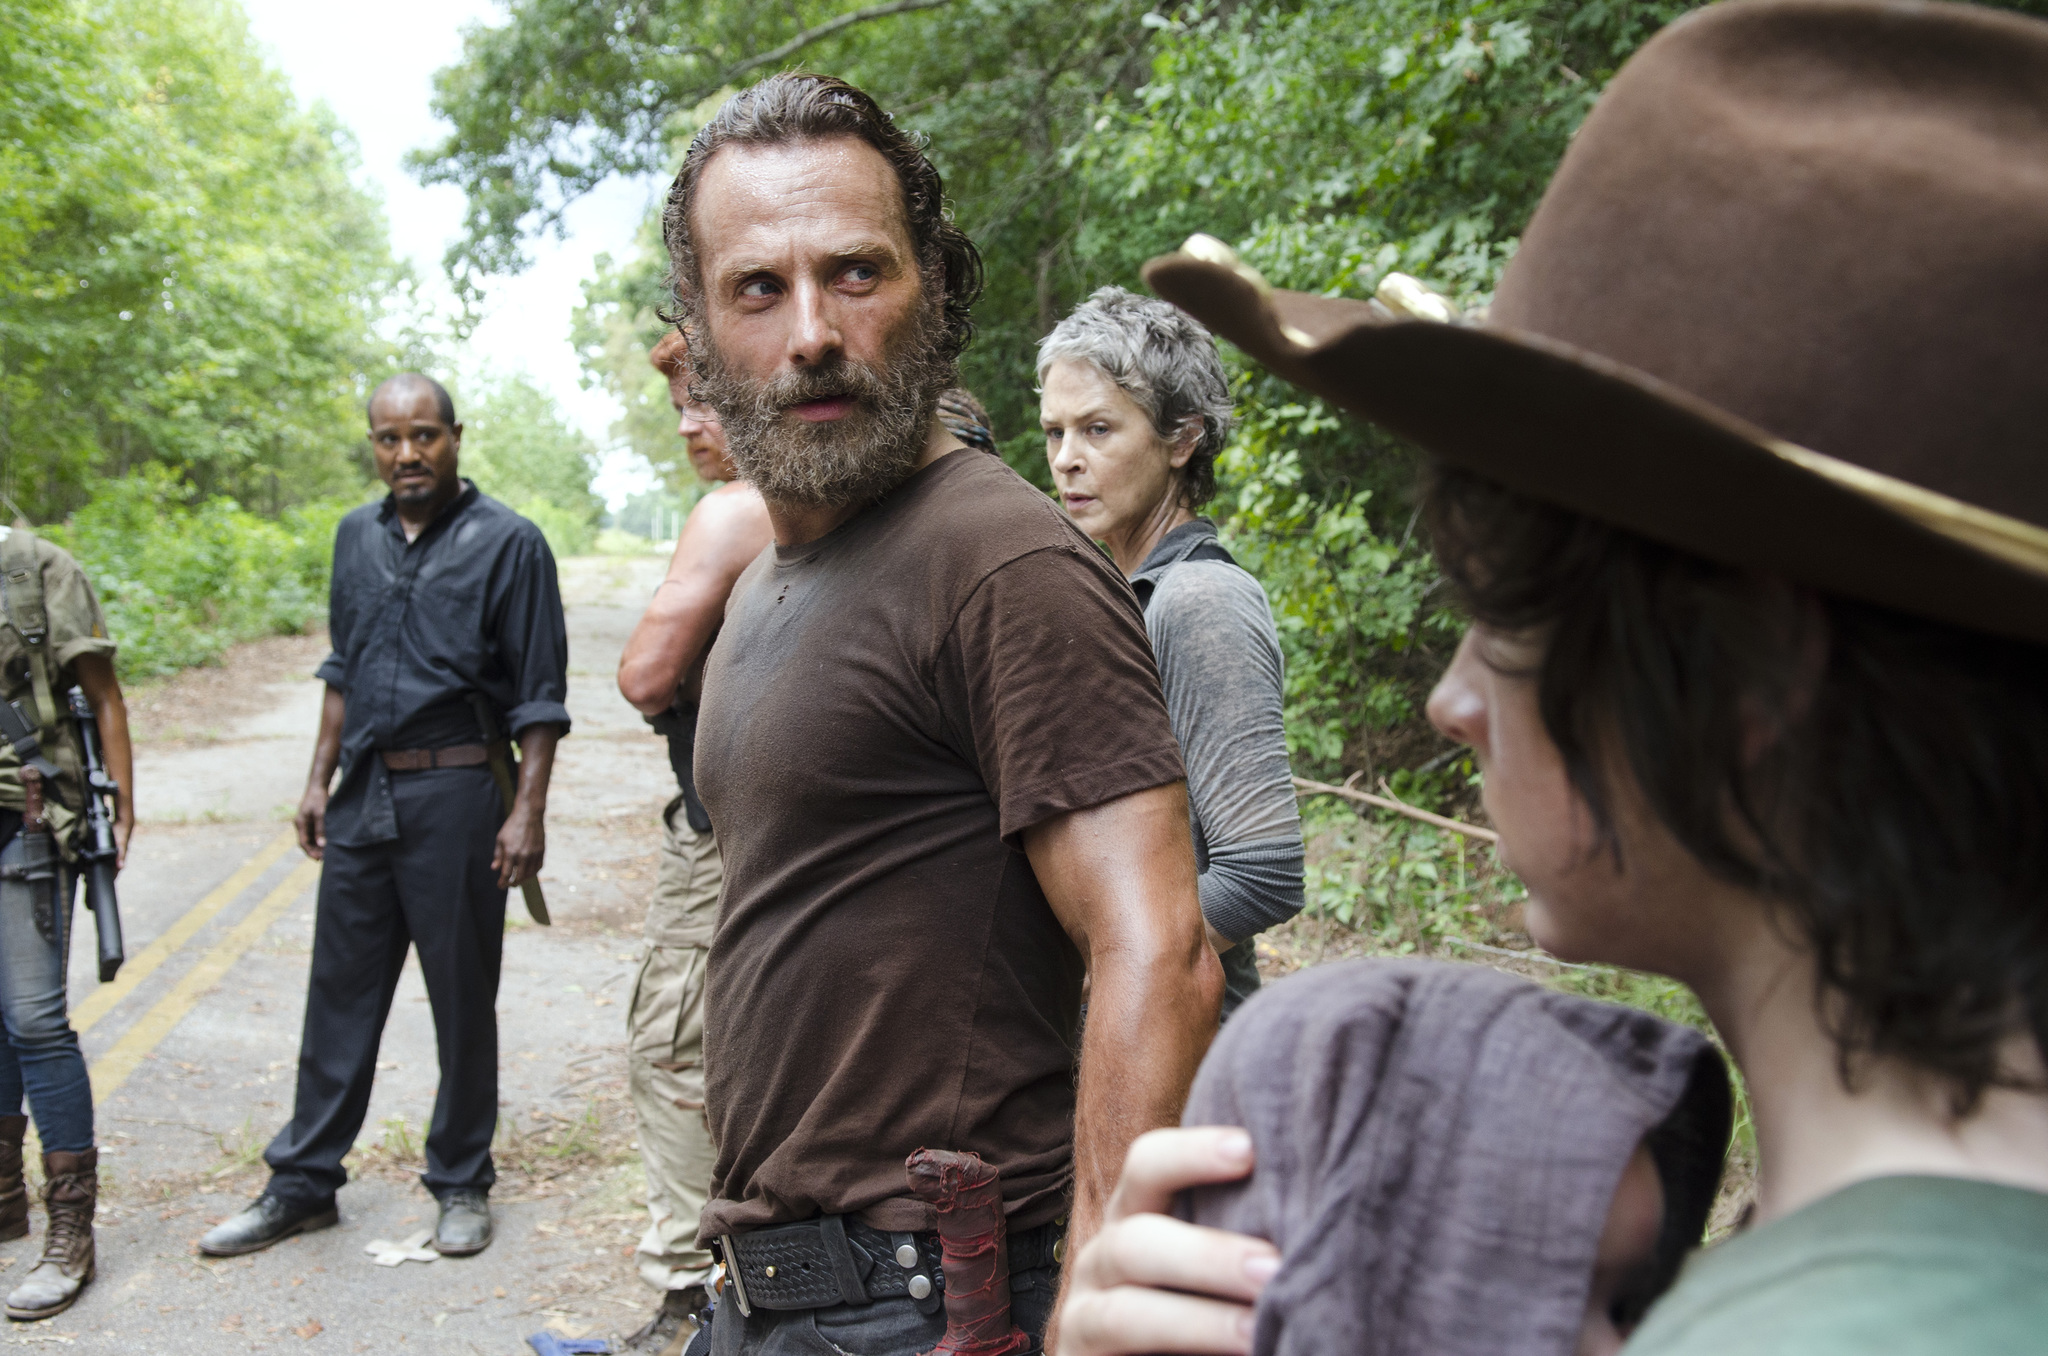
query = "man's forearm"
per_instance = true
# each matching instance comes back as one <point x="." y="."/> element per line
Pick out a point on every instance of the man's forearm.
<point x="1150" y="1021"/>
<point x="536" y="766"/>
<point x="327" y="745"/>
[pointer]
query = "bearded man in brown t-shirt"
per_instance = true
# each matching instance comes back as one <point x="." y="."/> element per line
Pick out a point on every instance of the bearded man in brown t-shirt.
<point x="933" y="746"/>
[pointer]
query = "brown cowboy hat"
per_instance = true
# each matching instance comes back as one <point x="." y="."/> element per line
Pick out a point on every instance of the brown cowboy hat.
<point x="1785" y="306"/>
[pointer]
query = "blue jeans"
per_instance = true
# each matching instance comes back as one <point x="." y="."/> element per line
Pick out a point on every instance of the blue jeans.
<point x="39" y="1052"/>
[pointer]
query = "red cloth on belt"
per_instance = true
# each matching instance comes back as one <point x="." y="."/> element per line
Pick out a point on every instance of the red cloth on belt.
<point x="974" y="1244"/>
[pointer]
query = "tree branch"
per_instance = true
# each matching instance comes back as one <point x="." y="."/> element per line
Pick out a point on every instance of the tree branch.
<point x="826" y="30"/>
<point x="1304" y="787"/>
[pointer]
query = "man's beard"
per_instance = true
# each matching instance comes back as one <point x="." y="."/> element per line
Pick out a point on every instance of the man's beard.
<point x="850" y="461"/>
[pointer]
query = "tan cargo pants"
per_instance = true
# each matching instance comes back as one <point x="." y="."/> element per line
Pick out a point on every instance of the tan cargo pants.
<point x="665" y="1028"/>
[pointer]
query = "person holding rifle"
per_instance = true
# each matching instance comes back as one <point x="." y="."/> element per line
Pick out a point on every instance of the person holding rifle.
<point x="52" y="636"/>
<point x="448" y="632"/>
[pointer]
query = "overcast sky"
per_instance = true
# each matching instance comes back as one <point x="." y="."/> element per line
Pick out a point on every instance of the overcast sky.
<point x="373" y="62"/>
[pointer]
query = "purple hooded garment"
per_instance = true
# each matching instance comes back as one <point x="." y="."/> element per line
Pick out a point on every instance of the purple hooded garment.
<point x="1437" y="1148"/>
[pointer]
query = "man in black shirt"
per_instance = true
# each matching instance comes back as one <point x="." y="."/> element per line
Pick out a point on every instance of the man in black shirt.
<point x="440" y="595"/>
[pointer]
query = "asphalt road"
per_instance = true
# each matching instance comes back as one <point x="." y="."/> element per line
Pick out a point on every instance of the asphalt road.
<point x="192" y="1050"/>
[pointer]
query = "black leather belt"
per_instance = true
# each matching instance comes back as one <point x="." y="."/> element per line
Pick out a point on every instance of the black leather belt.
<point x="834" y="1260"/>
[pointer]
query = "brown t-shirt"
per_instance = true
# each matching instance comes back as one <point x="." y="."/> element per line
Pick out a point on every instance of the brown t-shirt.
<point x="887" y="709"/>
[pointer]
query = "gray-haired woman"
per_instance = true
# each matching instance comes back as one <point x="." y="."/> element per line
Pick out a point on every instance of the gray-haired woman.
<point x="1135" y="408"/>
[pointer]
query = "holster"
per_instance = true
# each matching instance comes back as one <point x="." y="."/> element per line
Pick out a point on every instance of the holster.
<point x="38" y="870"/>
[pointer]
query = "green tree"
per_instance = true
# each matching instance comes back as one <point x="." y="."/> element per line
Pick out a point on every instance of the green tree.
<point x="188" y="277"/>
<point x="568" y="92"/>
<point x="518" y="449"/>
<point x="1331" y="141"/>
<point x="614" y="331"/>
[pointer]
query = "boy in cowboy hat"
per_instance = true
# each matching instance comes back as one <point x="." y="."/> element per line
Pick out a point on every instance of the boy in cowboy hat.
<point x="1752" y="521"/>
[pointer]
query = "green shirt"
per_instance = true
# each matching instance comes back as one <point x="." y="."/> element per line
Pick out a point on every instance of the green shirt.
<point x="1896" y="1266"/>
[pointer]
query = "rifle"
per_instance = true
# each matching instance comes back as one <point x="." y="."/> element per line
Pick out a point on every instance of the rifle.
<point x="38" y="869"/>
<point x="98" y="853"/>
<point x="500" y="747"/>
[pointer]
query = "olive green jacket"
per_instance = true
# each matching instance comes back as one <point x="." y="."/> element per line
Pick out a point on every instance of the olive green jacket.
<point x="75" y="626"/>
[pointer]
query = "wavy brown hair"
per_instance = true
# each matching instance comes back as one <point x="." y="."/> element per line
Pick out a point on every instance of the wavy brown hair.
<point x="1898" y="815"/>
<point x="793" y="108"/>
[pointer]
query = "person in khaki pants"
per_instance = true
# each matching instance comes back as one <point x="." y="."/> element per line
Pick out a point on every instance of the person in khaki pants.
<point x="660" y="673"/>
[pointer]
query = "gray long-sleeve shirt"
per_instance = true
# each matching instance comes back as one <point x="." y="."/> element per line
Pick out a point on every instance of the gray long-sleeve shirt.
<point x="1219" y="664"/>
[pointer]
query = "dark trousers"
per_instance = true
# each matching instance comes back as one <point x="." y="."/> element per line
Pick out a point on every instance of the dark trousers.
<point x="433" y="889"/>
<point x="886" y="1327"/>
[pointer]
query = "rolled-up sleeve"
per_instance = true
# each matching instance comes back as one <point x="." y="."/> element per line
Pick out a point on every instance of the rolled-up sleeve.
<point x="532" y="635"/>
<point x="333" y="670"/>
<point x="1220" y="666"/>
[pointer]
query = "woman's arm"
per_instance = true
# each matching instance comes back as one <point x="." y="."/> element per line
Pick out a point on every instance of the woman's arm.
<point x="1219" y="664"/>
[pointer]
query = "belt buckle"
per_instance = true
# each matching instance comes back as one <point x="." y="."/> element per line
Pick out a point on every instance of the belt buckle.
<point x="732" y="1271"/>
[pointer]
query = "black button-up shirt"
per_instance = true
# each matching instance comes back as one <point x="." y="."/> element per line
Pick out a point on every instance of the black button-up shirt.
<point x="470" y="605"/>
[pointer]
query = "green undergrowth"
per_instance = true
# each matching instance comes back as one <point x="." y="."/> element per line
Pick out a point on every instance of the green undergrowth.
<point x="183" y="576"/>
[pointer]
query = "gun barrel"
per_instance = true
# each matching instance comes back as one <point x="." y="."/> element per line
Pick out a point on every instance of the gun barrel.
<point x="106" y="915"/>
<point x="98" y="853"/>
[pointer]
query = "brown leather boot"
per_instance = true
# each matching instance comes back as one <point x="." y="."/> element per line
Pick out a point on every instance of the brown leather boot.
<point x="13" y="1195"/>
<point x="70" y="1191"/>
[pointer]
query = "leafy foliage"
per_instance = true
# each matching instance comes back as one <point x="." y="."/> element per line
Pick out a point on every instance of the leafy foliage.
<point x="187" y="276"/>
<point x="518" y="449"/>
<point x="1078" y="143"/>
<point x="1330" y="141"/>
<point x="566" y="92"/>
<point x="614" y="331"/>
<point x="182" y="576"/>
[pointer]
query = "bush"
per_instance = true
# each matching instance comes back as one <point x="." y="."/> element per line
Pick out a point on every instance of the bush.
<point x="182" y="576"/>
<point x="569" y="532"/>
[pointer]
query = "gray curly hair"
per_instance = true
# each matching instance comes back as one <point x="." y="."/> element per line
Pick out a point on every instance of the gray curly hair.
<point x="1161" y="358"/>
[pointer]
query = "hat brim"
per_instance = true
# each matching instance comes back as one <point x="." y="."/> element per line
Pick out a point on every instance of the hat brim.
<point x="1593" y="436"/>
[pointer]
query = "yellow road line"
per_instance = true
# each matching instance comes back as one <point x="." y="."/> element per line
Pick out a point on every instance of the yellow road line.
<point x="113" y="1068"/>
<point x="144" y="963"/>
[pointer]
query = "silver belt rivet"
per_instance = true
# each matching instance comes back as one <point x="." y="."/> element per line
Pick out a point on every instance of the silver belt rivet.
<point x="769" y="1273"/>
<point x="906" y="1256"/>
<point x="920" y="1286"/>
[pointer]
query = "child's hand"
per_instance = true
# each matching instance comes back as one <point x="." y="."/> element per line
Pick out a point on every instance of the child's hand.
<point x="1148" y="1282"/>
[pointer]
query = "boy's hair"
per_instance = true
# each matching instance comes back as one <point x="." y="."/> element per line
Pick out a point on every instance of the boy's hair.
<point x="1897" y="814"/>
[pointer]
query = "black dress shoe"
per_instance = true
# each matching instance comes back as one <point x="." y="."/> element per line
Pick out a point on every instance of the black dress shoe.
<point x="264" y="1223"/>
<point x="465" y="1227"/>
